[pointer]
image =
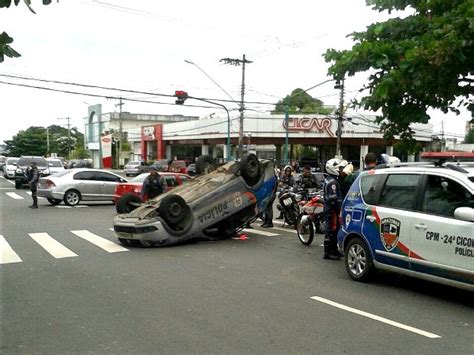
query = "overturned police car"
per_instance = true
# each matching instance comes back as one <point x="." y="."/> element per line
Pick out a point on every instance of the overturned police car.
<point x="212" y="206"/>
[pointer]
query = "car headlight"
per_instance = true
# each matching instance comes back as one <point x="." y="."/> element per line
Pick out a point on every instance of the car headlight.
<point x="19" y="171"/>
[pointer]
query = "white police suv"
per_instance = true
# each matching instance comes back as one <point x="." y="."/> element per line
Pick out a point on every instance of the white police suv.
<point x="415" y="219"/>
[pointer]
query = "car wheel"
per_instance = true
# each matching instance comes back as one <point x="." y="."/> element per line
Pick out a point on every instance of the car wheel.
<point x="358" y="260"/>
<point x="250" y="169"/>
<point x="17" y="185"/>
<point x="173" y="209"/>
<point x="204" y="165"/>
<point x="72" y="198"/>
<point x="127" y="203"/>
<point x="54" y="201"/>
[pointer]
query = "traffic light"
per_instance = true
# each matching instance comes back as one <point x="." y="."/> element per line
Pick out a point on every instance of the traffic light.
<point x="181" y="97"/>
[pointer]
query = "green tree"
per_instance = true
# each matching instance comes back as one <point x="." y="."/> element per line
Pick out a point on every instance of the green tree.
<point x="423" y="60"/>
<point x="300" y="101"/>
<point x="5" y="39"/>
<point x="469" y="139"/>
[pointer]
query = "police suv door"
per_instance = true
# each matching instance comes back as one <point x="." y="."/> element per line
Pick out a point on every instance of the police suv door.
<point x="390" y="222"/>
<point x="442" y="245"/>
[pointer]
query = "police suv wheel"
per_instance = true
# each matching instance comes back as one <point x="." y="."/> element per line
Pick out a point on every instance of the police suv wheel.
<point x="204" y="165"/>
<point x="127" y="203"/>
<point x="173" y="209"/>
<point x="250" y="169"/>
<point x="358" y="260"/>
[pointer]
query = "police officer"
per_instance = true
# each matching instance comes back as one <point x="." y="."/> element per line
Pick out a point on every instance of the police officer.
<point x="152" y="186"/>
<point x="286" y="180"/>
<point x="306" y="179"/>
<point x="32" y="179"/>
<point x="332" y="206"/>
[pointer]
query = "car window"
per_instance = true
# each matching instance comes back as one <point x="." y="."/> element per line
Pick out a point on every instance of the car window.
<point x="184" y="180"/>
<point x="85" y="175"/>
<point x="102" y="176"/>
<point x="170" y="181"/>
<point x="55" y="163"/>
<point x="399" y="191"/>
<point x="442" y="196"/>
<point x="40" y="162"/>
<point x="11" y="161"/>
<point x="368" y="188"/>
<point x="140" y="178"/>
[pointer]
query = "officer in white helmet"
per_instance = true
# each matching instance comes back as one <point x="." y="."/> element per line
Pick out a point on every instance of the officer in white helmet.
<point x="333" y="197"/>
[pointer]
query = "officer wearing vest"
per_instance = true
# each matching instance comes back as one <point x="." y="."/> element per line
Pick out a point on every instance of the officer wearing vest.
<point x="152" y="186"/>
<point x="332" y="206"/>
<point x="33" y="176"/>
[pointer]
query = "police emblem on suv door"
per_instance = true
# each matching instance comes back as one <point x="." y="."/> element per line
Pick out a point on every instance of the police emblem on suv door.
<point x="389" y="232"/>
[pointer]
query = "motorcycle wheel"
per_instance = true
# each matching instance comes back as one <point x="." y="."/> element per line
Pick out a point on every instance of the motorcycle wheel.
<point x="305" y="231"/>
<point x="291" y="217"/>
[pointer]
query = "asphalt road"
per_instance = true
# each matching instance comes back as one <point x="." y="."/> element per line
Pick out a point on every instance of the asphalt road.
<point x="233" y="296"/>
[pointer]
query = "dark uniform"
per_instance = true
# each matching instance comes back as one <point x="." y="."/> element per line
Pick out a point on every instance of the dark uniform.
<point x="32" y="178"/>
<point x="287" y="180"/>
<point x="152" y="186"/>
<point x="332" y="206"/>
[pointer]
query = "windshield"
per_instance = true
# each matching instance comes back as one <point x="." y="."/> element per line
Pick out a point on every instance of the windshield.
<point x="55" y="163"/>
<point x="140" y="178"/>
<point x="134" y="163"/>
<point x="12" y="161"/>
<point x="41" y="162"/>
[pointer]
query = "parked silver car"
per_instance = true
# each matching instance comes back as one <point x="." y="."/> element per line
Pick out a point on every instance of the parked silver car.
<point x="134" y="168"/>
<point x="10" y="167"/>
<point x="74" y="186"/>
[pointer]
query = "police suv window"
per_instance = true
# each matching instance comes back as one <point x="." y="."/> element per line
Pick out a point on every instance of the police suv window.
<point x="399" y="191"/>
<point x="368" y="185"/>
<point x="442" y="196"/>
<point x="170" y="181"/>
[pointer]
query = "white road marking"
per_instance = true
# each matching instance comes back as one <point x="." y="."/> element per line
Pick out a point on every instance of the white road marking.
<point x="80" y="206"/>
<point x="52" y="246"/>
<point x="63" y="206"/>
<point x="39" y="198"/>
<point x="111" y="229"/>
<point x="7" y="254"/>
<point x="258" y="231"/>
<point x="102" y="243"/>
<point x="14" y="196"/>
<point x="285" y="230"/>
<point x="377" y="318"/>
<point x="11" y="182"/>
<point x="6" y="188"/>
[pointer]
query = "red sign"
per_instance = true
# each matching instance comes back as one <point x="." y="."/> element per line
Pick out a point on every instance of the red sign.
<point x="321" y="125"/>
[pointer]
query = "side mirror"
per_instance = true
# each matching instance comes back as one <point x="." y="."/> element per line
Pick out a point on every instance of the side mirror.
<point x="464" y="214"/>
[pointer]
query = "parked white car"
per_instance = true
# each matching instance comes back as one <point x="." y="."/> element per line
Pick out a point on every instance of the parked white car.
<point x="10" y="167"/>
<point x="55" y="165"/>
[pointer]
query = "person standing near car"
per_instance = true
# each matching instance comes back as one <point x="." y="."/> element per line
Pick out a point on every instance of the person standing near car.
<point x="332" y="206"/>
<point x="152" y="186"/>
<point x="32" y="179"/>
<point x="370" y="160"/>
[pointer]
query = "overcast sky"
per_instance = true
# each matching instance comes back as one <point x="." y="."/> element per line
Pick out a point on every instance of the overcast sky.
<point x="142" y="45"/>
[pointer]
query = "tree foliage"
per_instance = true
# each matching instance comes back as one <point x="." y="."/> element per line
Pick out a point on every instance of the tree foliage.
<point x="33" y="141"/>
<point x="5" y="39"/>
<point x="469" y="139"/>
<point x="423" y="60"/>
<point x="299" y="101"/>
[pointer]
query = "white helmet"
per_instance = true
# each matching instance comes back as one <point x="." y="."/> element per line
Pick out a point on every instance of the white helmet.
<point x="333" y="166"/>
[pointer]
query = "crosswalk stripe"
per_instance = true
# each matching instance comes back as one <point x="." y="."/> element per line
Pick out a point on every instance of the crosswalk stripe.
<point x="258" y="231"/>
<point x="102" y="243"/>
<point x="52" y="246"/>
<point x="7" y="254"/>
<point x="14" y="196"/>
<point x="59" y="206"/>
<point x="39" y="198"/>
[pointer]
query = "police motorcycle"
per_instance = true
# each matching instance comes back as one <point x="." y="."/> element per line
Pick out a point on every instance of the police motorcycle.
<point x="288" y="199"/>
<point x="311" y="217"/>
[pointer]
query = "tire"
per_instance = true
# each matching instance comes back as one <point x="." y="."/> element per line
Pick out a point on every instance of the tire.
<point x="358" y="260"/>
<point x="291" y="216"/>
<point x="127" y="203"/>
<point x="173" y="209"/>
<point x="204" y="165"/>
<point x="54" y="201"/>
<point x="17" y="185"/>
<point x="72" y="198"/>
<point x="305" y="231"/>
<point x="250" y="169"/>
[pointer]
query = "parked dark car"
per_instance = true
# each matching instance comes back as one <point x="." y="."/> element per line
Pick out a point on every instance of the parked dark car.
<point x="79" y="163"/>
<point x="191" y="169"/>
<point x="24" y="163"/>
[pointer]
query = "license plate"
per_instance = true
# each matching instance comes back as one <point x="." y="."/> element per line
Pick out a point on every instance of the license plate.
<point x="287" y="201"/>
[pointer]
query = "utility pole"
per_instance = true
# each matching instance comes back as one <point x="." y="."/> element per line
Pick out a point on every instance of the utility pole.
<point x="340" y="117"/>
<point x="119" y="145"/>
<point x="68" y="134"/>
<point x="443" y="142"/>
<point x="238" y="62"/>
<point x="47" y="141"/>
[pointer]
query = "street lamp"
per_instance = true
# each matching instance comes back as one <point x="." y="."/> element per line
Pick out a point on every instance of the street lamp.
<point x="182" y="96"/>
